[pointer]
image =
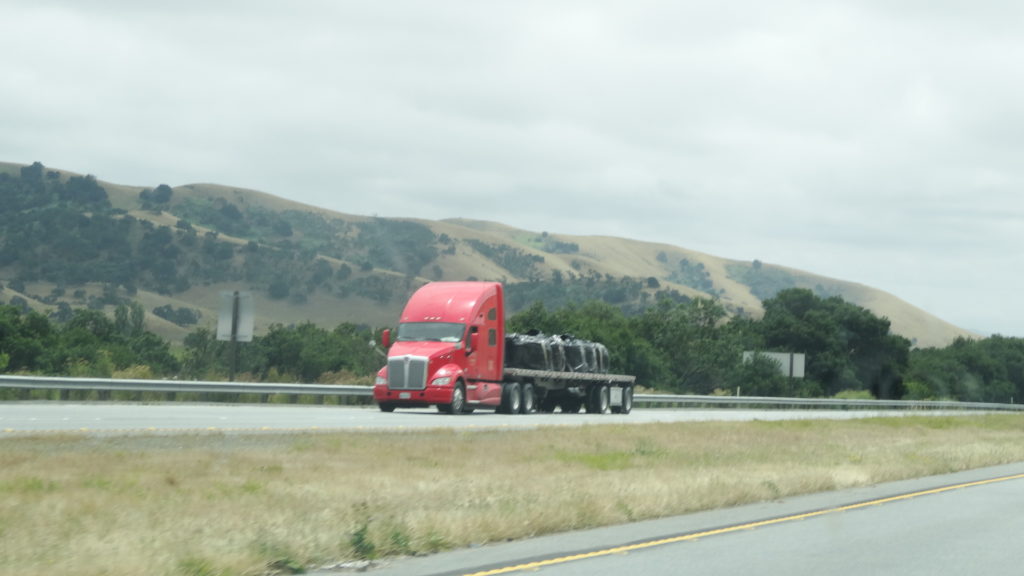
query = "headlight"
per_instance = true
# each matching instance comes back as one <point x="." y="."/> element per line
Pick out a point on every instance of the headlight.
<point x="441" y="381"/>
<point x="380" y="381"/>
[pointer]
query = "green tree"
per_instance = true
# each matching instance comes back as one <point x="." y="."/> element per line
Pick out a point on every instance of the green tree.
<point x="989" y="370"/>
<point x="148" y="349"/>
<point x="129" y="319"/>
<point x="847" y="347"/>
<point x="761" y="377"/>
<point x="699" y="352"/>
<point x="85" y="190"/>
<point x="24" y="338"/>
<point x="162" y="194"/>
<point x="33" y="172"/>
<point x="357" y="345"/>
<point x="200" y="359"/>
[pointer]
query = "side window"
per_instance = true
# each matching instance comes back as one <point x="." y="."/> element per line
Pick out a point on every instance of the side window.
<point x="492" y="337"/>
<point x="492" y="314"/>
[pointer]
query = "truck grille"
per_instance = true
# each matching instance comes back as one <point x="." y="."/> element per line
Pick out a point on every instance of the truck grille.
<point x="407" y="373"/>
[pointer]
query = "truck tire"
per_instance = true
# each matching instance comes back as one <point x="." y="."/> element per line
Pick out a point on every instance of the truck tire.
<point x="458" y="405"/>
<point x="598" y="399"/>
<point x="386" y="407"/>
<point x="529" y="402"/>
<point x="510" y="398"/>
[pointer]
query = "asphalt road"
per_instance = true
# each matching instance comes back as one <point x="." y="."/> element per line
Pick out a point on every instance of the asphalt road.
<point x="110" y="418"/>
<point x="964" y="523"/>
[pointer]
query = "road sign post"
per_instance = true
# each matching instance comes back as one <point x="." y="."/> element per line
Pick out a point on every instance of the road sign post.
<point x="235" y="322"/>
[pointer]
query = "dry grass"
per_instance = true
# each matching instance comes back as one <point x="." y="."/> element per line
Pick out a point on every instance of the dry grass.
<point x="214" y="504"/>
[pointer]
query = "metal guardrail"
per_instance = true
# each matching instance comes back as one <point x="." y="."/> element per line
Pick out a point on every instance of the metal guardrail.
<point x="363" y="394"/>
<point x="834" y="403"/>
<point x="111" y="385"/>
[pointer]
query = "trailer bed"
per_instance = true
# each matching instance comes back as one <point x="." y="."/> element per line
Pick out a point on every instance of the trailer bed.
<point x="575" y="376"/>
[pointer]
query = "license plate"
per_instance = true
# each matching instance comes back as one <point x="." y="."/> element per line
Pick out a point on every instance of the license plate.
<point x="405" y="395"/>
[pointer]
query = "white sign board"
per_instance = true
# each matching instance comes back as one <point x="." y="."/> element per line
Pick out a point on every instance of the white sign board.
<point x="236" y="316"/>
<point x="790" y="364"/>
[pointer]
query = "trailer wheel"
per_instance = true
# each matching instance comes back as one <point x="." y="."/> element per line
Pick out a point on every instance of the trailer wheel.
<point x="627" y="399"/>
<point x="386" y="407"/>
<point x="598" y="399"/>
<point x="510" y="398"/>
<point x="529" y="403"/>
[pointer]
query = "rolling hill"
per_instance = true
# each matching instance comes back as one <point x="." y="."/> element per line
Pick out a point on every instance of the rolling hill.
<point x="71" y="240"/>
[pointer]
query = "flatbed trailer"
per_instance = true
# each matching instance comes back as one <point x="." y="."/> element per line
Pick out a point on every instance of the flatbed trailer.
<point x="570" y="391"/>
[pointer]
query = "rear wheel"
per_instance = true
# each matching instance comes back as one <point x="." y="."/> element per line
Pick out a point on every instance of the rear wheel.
<point x="598" y="399"/>
<point x="529" y="403"/>
<point x="627" y="401"/>
<point x="510" y="398"/>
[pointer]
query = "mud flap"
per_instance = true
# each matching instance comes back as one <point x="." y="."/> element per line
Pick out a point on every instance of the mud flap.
<point x="615" y="395"/>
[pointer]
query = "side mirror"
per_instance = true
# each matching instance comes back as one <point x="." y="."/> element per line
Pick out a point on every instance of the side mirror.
<point x="385" y="338"/>
<point x="474" y="339"/>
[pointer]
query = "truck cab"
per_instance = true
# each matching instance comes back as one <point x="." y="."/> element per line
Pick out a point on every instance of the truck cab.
<point x="448" y="349"/>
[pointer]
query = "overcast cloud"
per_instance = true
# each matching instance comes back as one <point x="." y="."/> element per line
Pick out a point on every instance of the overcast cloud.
<point x="875" y="141"/>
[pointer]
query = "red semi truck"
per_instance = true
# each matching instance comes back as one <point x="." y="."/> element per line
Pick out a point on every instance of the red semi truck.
<point x="451" y="351"/>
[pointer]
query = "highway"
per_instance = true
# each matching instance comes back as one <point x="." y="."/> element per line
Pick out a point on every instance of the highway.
<point x="965" y="523"/>
<point x="114" y="418"/>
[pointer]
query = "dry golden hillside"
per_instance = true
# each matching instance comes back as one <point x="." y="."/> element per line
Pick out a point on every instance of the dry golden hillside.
<point x="625" y="257"/>
<point x="366" y="271"/>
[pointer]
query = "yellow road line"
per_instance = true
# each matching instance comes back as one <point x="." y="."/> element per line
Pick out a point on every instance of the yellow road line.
<point x="736" y="528"/>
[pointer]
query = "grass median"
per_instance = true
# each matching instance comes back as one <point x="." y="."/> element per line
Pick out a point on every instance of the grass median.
<point x="211" y="504"/>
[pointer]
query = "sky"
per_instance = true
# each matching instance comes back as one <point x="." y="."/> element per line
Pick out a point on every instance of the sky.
<point x="871" y="141"/>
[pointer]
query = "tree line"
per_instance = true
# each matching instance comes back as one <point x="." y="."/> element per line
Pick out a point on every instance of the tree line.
<point x="690" y="347"/>
<point x="680" y="346"/>
<point x="91" y="344"/>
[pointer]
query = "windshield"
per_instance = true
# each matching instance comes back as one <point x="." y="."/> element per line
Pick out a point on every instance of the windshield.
<point x="430" y="332"/>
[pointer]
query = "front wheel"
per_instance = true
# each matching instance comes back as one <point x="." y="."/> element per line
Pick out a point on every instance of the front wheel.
<point x="458" y="405"/>
<point x="386" y="407"/>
